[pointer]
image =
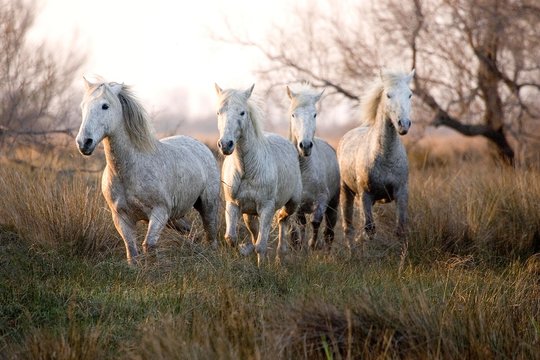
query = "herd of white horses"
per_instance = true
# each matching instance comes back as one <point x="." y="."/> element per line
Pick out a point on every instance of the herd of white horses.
<point x="160" y="181"/>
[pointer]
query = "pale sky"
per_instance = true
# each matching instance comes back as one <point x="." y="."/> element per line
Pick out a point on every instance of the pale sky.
<point x="163" y="48"/>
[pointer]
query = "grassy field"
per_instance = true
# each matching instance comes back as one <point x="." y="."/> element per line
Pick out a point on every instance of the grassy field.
<point x="469" y="287"/>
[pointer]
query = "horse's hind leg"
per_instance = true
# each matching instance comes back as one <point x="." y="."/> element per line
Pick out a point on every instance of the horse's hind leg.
<point x="347" y="208"/>
<point x="299" y="234"/>
<point x="253" y="228"/>
<point x="156" y="223"/>
<point x="331" y="218"/>
<point x="208" y="209"/>
<point x="181" y="225"/>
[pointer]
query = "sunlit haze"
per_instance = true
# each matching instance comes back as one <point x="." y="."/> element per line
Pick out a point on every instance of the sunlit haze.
<point x="165" y="49"/>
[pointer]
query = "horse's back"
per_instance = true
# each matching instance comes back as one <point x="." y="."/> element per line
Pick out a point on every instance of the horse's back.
<point x="193" y="150"/>
<point x="195" y="166"/>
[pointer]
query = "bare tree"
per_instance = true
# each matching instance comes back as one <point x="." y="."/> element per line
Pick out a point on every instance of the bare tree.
<point x="476" y="61"/>
<point x="35" y="81"/>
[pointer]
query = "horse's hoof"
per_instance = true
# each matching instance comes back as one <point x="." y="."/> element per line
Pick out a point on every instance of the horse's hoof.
<point x="133" y="262"/>
<point x="148" y="249"/>
<point x="401" y="233"/>
<point x="261" y="259"/>
<point x="246" y="249"/>
<point x="230" y="241"/>
<point x="183" y="226"/>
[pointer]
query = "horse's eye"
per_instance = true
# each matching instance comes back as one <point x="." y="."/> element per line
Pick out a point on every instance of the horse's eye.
<point x="410" y="95"/>
<point x="104" y="106"/>
<point x="293" y="115"/>
<point x="217" y="113"/>
<point x="389" y="96"/>
<point x="314" y="116"/>
<point x="242" y="113"/>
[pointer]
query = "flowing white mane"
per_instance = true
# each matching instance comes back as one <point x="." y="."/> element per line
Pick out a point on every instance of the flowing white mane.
<point x="373" y="95"/>
<point x="256" y="115"/>
<point x="135" y="117"/>
<point x="304" y="94"/>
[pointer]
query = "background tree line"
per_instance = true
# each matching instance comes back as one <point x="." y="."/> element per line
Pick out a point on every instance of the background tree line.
<point x="36" y="93"/>
<point x="477" y="68"/>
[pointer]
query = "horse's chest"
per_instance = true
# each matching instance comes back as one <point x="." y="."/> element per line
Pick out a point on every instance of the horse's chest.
<point x="134" y="199"/>
<point x="246" y="194"/>
<point x="383" y="181"/>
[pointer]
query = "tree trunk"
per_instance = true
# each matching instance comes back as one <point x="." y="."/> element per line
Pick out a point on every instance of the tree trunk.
<point x="496" y="136"/>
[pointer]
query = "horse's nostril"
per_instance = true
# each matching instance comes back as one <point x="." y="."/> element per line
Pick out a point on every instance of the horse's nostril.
<point x="230" y="144"/>
<point x="219" y="144"/>
<point x="301" y="145"/>
<point x="88" y="143"/>
<point x="399" y="123"/>
<point x="310" y="145"/>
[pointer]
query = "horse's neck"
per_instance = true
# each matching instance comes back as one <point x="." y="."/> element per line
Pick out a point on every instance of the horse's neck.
<point x="385" y="138"/>
<point x="306" y="162"/>
<point x="119" y="152"/>
<point x="250" y="154"/>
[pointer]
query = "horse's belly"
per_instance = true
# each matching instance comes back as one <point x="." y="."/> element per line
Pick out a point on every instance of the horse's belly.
<point x="248" y="207"/>
<point x="382" y="193"/>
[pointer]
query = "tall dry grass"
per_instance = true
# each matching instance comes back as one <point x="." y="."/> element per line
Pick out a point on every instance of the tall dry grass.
<point x="490" y="213"/>
<point x="469" y="287"/>
<point x="59" y="210"/>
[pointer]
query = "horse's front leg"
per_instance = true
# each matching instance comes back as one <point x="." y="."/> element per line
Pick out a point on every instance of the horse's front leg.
<point x="266" y="213"/>
<point x="367" y="204"/>
<point x="318" y="214"/>
<point x="157" y="221"/>
<point x="253" y="228"/>
<point x="232" y="213"/>
<point x="402" y="202"/>
<point x="126" y="227"/>
<point x="347" y="211"/>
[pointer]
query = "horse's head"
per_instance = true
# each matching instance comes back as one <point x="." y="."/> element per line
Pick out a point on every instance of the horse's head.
<point x="398" y="103"/>
<point x="101" y="113"/>
<point x="232" y="113"/>
<point x="302" y="116"/>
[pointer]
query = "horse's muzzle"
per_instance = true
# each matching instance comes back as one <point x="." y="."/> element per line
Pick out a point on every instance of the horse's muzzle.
<point x="86" y="147"/>
<point x="404" y="126"/>
<point x="305" y="147"/>
<point x="226" y="147"/>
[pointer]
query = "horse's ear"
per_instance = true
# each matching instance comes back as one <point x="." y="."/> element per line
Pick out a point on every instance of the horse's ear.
<point x="318" y="97"/>
<point x="87" y="84"/>
<point x="290" y="94"/>
<point x="411" y="75"/>
<point x="116" y="88"/>
<point x="248" y="92"/>
<point x="218" y="89"/>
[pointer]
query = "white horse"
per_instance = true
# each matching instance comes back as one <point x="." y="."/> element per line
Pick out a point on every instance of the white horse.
<point x="372" y="159"/>
<point x="260" y="173"/>
<point x="318" y="164"/>
<point x="157" y="181"/>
